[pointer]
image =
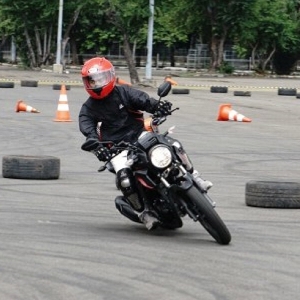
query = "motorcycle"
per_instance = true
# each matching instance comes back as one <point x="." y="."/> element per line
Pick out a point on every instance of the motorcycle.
<point x="161" y="177"/>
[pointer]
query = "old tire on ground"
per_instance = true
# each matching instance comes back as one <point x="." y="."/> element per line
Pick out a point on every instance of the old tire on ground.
<point x="30" y="167"/>
<point x="219" y="89"/>
<point x="58" y="87"/>
<point x="298" y="95"/>
<point x="180" y="91"/>
<point x="242" y="93"/>
<point x="272" y="194"/>
<point x="29" y="83"/>
<point x="7" y="84"/>
<point x="287" y="91"/>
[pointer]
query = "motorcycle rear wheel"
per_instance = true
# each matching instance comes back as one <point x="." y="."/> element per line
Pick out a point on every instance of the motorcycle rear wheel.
<point x="208" y="217"/>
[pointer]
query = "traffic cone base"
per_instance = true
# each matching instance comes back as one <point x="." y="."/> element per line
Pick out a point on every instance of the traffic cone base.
<point x="22" y="106"/>
<point x="169" y="78"/>
<point x="63" y="113"/>
<point x="228" y="114"/>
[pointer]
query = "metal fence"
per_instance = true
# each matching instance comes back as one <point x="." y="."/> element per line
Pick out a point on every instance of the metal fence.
<point x="195" y="59"/>
<point x="199" y="58"/>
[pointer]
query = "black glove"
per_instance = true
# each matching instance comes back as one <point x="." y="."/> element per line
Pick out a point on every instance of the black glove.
<point x="91" y="144"/>
<point x="163" y="109"/>
<point x="103" y="154"/>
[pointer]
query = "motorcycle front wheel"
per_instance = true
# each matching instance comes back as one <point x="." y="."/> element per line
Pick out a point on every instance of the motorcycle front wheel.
<point x="208" y="216"/>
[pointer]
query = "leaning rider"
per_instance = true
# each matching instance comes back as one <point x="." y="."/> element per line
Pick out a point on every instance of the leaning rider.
<point x="114" y="107"/>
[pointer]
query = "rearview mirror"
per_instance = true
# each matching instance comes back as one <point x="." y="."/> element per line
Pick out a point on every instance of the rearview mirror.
<point x="164" y="89"/>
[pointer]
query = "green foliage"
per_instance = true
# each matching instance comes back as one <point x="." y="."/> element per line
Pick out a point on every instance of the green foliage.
<point x="226" y="68"/>
<point x="254" y="26"/>
<point x="167" y="29"/>
<point x="241" y="51"/>
<point x="270" y="25"/>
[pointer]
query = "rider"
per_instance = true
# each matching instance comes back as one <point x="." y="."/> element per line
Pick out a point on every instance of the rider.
<point x="113" y="113"/>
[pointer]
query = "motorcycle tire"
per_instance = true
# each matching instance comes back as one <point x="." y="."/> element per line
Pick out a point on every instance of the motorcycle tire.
<point x="208" y="217"/>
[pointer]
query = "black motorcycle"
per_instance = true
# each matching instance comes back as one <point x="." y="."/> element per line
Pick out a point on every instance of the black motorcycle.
<point x="162" y="179"/>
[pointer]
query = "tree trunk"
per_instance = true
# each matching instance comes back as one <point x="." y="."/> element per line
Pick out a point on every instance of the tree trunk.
<point x="217" y="50"/>
<point x="134" y="77"/>
<point x="45" y="45"/>
<point x="253" y="56"/>
<point x="221" y="51"/>
<point x="74" y="53"/>
<point x="49" y="39"/>
<point x="3" y="40"/>
<point x="38" y="46"/>
<point x="67" y="35"/>
<point x="49" y="54"/>
<point x="214" y="53"/>
<point x="172" y="56"/>
<point x="63" y="51"/>
<point x="30" y="49"/>
<point x="267" y="60"/>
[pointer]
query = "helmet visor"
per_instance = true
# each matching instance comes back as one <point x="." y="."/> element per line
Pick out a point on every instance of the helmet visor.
<point x="98" y="79"/>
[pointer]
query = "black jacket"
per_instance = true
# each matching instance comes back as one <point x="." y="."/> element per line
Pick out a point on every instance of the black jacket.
<point x="119" y="122"/>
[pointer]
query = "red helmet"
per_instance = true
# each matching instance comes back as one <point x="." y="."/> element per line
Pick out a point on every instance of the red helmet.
<point x="98" y="76"/>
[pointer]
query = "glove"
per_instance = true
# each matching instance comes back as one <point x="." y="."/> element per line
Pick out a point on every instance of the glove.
<point x="163" y="109"/>
<point x="91" y="144"/>
<point x="103" y="154"/>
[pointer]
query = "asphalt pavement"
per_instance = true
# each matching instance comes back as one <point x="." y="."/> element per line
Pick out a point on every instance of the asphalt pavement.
<point x="63" y="239"/>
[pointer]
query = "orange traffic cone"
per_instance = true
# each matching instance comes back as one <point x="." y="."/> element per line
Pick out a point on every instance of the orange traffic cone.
<point x="122" y="82"/>
<point x="169" y="78"/>
<point x="228" y="114"/>
<point x="63" y="113"/>
<point x="22" y="106"/>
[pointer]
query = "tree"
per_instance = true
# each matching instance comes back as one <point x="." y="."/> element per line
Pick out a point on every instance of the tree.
<point x="27" y="29"/>
<point x="128" y="22"/>
<point x="167" y="30"/>
<point x="265" y="33"/>
<point x="6" y="30"/>
<point x="214" y="20"/>
<point x="94" y="25"/>
<point x="127" y="18"/>
<point x="32" y="25"/>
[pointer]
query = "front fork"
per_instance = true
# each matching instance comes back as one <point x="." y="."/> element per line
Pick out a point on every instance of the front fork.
<point x="186" y="184"/>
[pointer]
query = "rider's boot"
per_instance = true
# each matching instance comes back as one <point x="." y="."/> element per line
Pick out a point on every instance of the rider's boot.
<point x="149" y="216"/>
<point x="127" y="186"/>
<point x="126" y="210"/>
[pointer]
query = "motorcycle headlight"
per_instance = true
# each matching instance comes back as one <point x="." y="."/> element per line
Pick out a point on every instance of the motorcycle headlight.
<point x="160" y="156"/>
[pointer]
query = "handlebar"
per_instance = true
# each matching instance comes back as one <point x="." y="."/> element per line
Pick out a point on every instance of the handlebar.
<point x="160" y="120"/>
<point x="117" y="147"/>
